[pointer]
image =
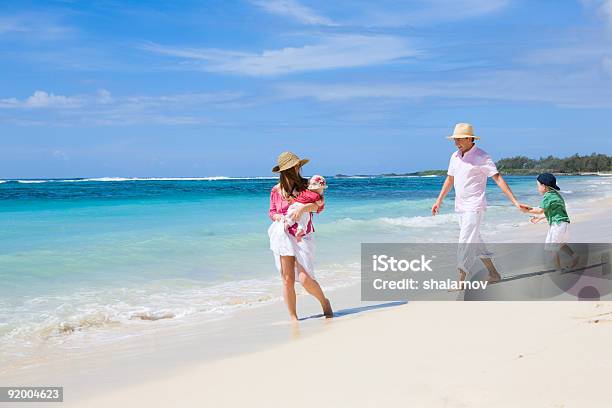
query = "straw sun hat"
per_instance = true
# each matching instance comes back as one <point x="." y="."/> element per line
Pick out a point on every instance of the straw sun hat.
<point x="462" y="131"/>
<point x="287" y="160"/>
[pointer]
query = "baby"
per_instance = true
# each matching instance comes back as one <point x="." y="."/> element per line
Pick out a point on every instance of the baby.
<point x="314" y="194"/>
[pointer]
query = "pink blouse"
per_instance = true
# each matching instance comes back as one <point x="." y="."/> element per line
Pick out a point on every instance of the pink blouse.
<point x="279" y="205"/>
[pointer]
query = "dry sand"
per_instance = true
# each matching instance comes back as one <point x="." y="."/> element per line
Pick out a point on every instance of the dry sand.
<point x="424" y="354"/>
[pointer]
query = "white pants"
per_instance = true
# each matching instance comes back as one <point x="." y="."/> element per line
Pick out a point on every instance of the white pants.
<point x="558" y="234"/>
<point x="471" y="246"/>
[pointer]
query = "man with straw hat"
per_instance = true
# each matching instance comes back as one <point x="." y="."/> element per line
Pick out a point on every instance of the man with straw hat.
<point x="468" y="170"/>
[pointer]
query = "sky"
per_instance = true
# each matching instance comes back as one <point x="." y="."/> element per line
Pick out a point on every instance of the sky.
<point x="220" y="88"/>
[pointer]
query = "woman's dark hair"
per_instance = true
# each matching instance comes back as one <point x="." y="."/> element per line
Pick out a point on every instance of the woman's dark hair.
<point x="291" y="182"/>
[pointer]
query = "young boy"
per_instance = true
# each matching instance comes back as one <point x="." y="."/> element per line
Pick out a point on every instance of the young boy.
<point x="553" y="210"/>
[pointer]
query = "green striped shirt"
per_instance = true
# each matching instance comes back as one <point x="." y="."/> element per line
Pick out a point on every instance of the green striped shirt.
<point x="554" y="208"/>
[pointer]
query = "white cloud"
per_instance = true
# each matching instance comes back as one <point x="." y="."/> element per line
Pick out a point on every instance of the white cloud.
<point x="569" y="55"/>
<point x="41" y="99"/>
<point x="10" y="26"/>
<point x="60" y="155"/>
<point x="580" y="53"/>
<point x="387" y="13"/>
<point x="580" y="90"/>
<point x="461" y="9"/>
<point x="606" y="64"/>
<point x="339" y="51"/>
<point x="102" y="109"/>
<point x="295" y="10"/>
<point x="607" y="9"/>
<point x="603" y="7"/>
<point x="104" y="96"/>
<point x="38" y="26"/>
<point x="390" y="13"/>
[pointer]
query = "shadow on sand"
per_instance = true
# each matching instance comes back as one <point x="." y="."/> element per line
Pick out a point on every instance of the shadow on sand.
<point x="354" y="310"/>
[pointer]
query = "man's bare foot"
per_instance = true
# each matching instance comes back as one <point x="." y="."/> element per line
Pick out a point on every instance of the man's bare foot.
<point x="493" y="277"/>
<point x="462" y="275"/>
<point x="493" y="274"/>
<point x="327" y="309"/>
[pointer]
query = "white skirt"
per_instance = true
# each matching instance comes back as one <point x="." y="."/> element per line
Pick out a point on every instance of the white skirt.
<point x="284" y="244"/>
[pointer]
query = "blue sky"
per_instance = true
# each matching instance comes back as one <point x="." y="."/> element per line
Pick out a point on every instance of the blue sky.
<point x="208" y="88"/>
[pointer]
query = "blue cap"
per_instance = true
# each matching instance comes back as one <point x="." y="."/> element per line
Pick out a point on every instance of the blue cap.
<point x="548" y="180"/>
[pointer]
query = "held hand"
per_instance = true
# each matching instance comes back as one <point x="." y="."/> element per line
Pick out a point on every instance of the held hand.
<point x="435" y="209"/>
<point x="278" y="217"/>
<point x="535" y="220"/>
<point x="524" y="207"/>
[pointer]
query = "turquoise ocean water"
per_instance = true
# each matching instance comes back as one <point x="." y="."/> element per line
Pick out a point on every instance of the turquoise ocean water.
<point x="91" y="255"/>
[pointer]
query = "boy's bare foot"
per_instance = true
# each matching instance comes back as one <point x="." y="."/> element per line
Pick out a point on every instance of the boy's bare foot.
<point x="327" y="309"/>
<point x="575" y="261"/>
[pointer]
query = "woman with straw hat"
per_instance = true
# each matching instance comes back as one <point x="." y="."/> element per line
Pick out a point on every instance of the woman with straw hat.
<point x="296" y="260"/>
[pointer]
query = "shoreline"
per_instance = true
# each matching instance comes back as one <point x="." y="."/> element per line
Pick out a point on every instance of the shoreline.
<point x="166" y="355"/>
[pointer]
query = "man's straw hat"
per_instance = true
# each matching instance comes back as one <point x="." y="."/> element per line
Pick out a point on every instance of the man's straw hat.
<point x="462" y="131"/>
<point x="287" y="160"/>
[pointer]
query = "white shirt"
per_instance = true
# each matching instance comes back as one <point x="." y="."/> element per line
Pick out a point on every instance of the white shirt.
<point x="470" y="171"/>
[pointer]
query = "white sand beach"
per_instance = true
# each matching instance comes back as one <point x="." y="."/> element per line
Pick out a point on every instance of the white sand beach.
<point x="433" y="354"/>
<point x="423" y="354"/>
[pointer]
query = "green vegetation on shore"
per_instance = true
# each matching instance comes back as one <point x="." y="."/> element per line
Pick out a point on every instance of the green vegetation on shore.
<point x="575" y="164"/>
<point x="522" y="165"/>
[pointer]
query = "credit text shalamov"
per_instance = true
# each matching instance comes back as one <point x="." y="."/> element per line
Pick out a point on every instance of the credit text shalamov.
<point x="385" y="263"/>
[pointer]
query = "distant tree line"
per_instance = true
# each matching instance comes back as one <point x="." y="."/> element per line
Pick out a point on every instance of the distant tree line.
<point x="573" y="164"/>
<point x="520" y="165"/>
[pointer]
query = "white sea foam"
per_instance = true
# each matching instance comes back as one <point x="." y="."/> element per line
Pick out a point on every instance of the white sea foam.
<point x="384" y="223"/>
<point x="119" y="179"/>
<point x="31" y="181"/>
<point x="54" y="319"/>
<point x="413" y="176"/>
<point x="390" y="176"/>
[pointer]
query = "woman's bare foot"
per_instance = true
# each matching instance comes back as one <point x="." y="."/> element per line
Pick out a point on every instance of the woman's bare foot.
<point x="327" y="309"/>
